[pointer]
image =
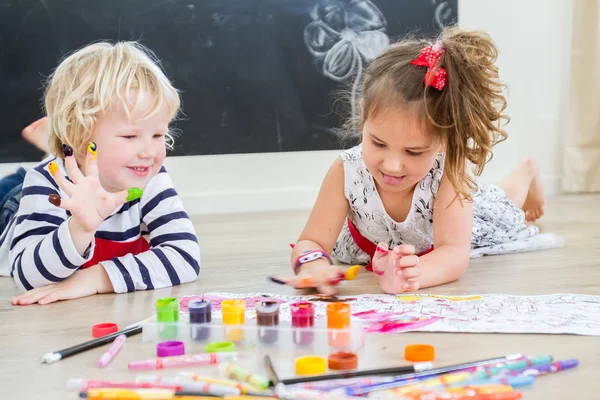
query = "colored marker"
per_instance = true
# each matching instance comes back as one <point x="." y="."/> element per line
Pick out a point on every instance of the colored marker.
<point x="199" y="387"/>
<point x="435" y="377"/>
<point x="85" y="384"/>
<point x="151" y="394"/>
<point x="182" y="361"/>
<point x="307" y="394"/>
<point x="488" y="392"/>
<point x="512" y="381"/>
<point x="112" y="351"/>
<point x="545" y="369"/>
<point x="239" y="373"/>
<point x="243" y="387"/>
<point x="338" y="384"/>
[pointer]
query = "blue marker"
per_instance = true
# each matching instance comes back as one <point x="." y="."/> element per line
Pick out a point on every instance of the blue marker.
<point x="514" y="381"/>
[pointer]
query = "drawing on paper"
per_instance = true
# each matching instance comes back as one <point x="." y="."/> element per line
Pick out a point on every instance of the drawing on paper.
<point x="486" y="313"/>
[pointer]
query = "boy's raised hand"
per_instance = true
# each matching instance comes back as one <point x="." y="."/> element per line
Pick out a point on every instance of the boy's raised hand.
<point x="88" y="202"/>
<point x="397" y="269"/>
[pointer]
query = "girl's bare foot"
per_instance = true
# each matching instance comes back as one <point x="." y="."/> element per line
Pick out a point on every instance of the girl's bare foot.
<point x="37" y="134"/>
<point x="536" y="199"/>
<point x="524" y="187"/>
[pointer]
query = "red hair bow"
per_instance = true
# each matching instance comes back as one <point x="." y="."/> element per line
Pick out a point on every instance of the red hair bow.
<point x="429" y="57"/>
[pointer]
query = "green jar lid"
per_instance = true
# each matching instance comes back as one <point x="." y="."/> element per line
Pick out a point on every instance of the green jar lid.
<point x="219" y="347"/>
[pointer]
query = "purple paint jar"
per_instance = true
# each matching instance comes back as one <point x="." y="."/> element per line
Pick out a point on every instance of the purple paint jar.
<point x="200" y="314"/>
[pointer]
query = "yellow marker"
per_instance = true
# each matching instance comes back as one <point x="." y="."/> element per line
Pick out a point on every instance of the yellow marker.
<point x="150" y="394"/>
<point x="129" y="394"/>
<point x="92" y="149"/>
<point x="52" y="167"/>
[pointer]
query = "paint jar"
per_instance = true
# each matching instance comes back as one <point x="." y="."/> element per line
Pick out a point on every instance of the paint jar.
<point x="234" y="314"/>
<point x="167" y="317"/>
<point x="303" y="321"/>
<point x="267" y="315"/>
<point x="338" y="324"/>
<point x="200" y="315"/>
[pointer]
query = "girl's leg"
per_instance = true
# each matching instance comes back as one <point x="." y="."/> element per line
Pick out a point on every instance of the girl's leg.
<point x="37" y="134"/>
<point x="524" y="187"/>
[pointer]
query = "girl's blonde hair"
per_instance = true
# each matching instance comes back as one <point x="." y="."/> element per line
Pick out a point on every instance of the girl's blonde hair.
<point x="87" y="83"/>
<point x="467" y="113"/>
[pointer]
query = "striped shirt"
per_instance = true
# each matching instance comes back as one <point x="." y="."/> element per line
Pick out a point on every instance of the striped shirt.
<point x="36" y="247"/>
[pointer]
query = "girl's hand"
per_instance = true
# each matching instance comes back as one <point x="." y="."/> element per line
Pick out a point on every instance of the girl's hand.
<point x="317" y="274"/>
<point x="397" y="269"/>
<point x="85" y="282"/>
<point x="88" y="202"/>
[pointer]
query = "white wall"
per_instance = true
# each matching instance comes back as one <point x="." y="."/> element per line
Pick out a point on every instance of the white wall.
<point x="533" y="37"/>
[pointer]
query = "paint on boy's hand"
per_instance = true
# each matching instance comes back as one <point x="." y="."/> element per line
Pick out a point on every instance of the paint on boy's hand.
<point x="52" y="167"/>
<point x="93" y="149"/>
<point x="134" y="193"/>
<point x="54" y="199"/>
<point x="67" y="150"/>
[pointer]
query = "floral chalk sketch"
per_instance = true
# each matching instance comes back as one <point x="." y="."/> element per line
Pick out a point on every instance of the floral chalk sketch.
<point x="343" y="35"/>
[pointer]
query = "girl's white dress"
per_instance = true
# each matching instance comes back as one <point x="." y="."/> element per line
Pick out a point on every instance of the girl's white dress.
<point x="498" y="225"/>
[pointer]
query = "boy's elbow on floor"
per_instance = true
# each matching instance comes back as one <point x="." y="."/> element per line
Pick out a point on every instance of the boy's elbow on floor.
<point x="196" y="267"/>
<point x="23" y="288"/>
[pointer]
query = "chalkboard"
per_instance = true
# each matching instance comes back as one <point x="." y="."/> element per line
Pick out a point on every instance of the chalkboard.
<point x="256" y="75"/>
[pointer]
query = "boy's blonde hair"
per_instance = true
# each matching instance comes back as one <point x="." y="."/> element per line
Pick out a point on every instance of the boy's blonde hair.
<point x="97" y="77"/>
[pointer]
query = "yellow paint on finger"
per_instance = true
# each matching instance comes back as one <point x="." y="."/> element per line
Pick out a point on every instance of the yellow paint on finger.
<point x="52" y="167"/>
<point x="92" y="149"/>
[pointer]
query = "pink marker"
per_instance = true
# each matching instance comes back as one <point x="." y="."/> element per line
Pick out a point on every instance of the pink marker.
<point x="112" y="351"/>
<point x="182" y="361"/>
<point x="83" y="385"/>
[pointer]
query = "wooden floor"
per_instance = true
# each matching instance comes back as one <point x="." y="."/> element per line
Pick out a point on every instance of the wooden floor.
<point x="239" y="251"/>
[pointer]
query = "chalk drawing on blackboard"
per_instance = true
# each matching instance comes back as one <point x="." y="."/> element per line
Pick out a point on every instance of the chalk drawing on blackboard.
<point x="344" y="34"/>
<point x="442" y="14"/>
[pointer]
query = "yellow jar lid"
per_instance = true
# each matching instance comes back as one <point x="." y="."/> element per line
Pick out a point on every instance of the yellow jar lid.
<point x="311" y="365"/>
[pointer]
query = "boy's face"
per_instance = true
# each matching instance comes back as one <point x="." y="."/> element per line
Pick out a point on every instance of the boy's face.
<point x="130" y="152"/>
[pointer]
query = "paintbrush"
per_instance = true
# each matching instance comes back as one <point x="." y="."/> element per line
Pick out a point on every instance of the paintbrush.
<point x="425" y="368"/>
<point x="55" y="356"/>
<point x="348" y="275"/>
<point x="407" y="369"/>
